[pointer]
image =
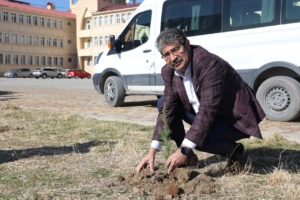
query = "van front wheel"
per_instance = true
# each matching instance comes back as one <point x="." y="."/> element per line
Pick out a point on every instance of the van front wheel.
<point x="114" y="91"/>
<point x="279" y="97"/>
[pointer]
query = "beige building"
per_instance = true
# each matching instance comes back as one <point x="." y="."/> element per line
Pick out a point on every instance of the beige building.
<point x="35" y="37"/>
<point x="95" y="21"/>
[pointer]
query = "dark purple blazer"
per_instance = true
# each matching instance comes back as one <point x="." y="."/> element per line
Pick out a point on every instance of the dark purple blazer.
<point x="221" y="93"/>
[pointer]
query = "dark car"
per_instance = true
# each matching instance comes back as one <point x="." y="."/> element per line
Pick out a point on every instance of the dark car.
<point x="78" y="73"/>
<point x="22" y="72"/>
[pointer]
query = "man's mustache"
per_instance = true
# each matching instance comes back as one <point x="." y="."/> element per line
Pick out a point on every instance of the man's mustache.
<point x="176" y="61"/>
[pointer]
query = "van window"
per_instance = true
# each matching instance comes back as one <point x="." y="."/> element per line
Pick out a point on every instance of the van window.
<point x="137" y="32"/>
<point x="251" y="12"/>
<point x="291" y="13"/>
<point x="195" y="17"/>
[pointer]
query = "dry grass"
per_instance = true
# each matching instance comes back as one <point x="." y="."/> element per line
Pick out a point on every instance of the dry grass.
<point x="48" y="155"/>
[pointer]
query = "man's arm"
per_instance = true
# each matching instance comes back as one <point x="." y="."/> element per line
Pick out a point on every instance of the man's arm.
<point x="211" y="90"/>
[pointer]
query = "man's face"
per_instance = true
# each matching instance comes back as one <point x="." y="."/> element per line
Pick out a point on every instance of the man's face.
<point x="177" y="56"/>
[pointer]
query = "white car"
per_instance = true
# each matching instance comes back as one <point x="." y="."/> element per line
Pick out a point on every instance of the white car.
<point x="47" y="72"/>
<point x="64" y="72"/>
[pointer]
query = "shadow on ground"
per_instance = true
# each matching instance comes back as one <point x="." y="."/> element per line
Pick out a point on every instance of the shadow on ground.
<point x="13" y="155"/>
<point x="261" y="161"/>
<point x="151" y="103"/>
<point x="7" y="95"/>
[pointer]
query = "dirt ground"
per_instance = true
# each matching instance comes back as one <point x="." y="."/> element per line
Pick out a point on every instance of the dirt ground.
<point x="73" y="96"/>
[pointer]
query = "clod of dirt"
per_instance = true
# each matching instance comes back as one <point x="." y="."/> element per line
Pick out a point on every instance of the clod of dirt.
<point x="173" y="190"/>
<point x="121" y="178"/>
<point x="4" y="128"/>
<point x="181" y="181"/>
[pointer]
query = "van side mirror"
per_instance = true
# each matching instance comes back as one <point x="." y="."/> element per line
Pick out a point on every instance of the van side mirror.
<point x="113" y="44"/>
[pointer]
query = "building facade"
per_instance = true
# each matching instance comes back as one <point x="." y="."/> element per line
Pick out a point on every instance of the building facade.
<point x="35" y="37"/>
<point x="95" y="21"/>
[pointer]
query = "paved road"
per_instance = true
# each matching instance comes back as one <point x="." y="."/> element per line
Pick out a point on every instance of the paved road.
<point x="78" y="96"/>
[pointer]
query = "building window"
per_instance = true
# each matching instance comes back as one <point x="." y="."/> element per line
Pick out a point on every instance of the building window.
<point x="14" y="17"/>
<point x="112" y="19"/>
<point x="21" y="18"/>
<point x="42" y="21"/>
<point x="55" y="61"/>
<point x="35" y="20"/>
<point x="106" y="40"/>
<point x="100" y="40"/>
<point x="60" y="24"/>
<point x="128" y="15"/>
<point x="88" y="25"/>
<point x="48" y="22"/>
<point x="88" y="61"/>
<point x="49" y="61"/>
<point x="23" y="59"/>
<point x="100" y="21"/>
<point x="61" y="61"/>
<point x="29" y="60"/>
<point x="69" y="41"/>
<point x="22" y="39"/>
<point x="1" y="58"/>
<point x="7" y="37"/>
<point x="69" y="23"/>
<point x="0" y="37"/>
<point x="28" y="19"/>
<point x="123" y="18"/>
<point x="96" y="23"/>
<point x="14" y="38"/>
<point x="55" y="42"/>
<point x="29" y="39"/>
<point x="36" y="60"/>
<point x="49" y="42"/>
<point x="54" y="23"/>
<point x="118" y="18"/>
<point x="106" y="20"/>
<point x="43" y="41"/>
<point x="36" y="40"/>
<point x="95" y="41"/>
<point x="70" y="60"/>
<point x="6" y="16"/>
<point x="16" y="59"/>
<point x="95" y="60"/>
<point x="43" y="60"/>
<point x="88" y="43"/>
<point x="7" y="58"/>
<point x="61" y="43"/>
<point x="0" y="15"/>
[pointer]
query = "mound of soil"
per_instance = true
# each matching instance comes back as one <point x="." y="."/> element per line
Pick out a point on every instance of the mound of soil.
<point x="162" y="185"/>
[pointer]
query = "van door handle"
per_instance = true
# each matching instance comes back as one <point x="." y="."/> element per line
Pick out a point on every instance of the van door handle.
<point x="147" y="51"/>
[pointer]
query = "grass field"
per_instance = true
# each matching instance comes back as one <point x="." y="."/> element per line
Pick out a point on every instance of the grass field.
<point x="48" y="155"/>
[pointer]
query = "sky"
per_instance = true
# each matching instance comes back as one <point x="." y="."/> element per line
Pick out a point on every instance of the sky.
<point x="62" y="5"/>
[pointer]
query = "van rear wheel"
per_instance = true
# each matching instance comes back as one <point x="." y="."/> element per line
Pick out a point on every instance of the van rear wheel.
<point x="114" y="91"/>
<point x="279" y="97"/>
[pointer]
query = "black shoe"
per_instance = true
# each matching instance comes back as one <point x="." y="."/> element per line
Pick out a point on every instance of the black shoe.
<point x="237" y="160"/>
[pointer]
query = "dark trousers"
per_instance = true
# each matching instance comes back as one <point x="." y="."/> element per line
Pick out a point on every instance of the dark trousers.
<point x="220" y="139"/>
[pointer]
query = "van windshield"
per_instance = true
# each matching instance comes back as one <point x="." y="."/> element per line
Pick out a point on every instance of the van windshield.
<point x="137" y="32"/>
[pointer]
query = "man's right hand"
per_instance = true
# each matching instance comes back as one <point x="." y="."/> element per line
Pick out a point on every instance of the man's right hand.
<point x="148" y="159"/>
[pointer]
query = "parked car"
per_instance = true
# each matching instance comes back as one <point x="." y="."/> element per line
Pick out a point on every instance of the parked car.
<point x="64" y="72"/>
<point x="22" y="72"/>
<point x="78" y="73"/>
<point x="47" y="72"/>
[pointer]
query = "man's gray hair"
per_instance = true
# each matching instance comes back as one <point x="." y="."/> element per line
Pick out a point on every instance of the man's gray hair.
<point x="170" y="36"/>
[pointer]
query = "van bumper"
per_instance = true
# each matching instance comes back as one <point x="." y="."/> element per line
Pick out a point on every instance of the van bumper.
<point x="96" y="81"/>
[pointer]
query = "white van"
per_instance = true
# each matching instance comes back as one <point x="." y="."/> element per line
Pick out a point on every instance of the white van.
<point x="259" y="38"/>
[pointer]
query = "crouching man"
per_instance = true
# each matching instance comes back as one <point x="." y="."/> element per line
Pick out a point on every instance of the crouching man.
<point x="206" y="92"/>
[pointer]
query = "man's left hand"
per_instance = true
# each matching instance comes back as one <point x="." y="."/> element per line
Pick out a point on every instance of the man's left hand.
<point x="175" y="160"/>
